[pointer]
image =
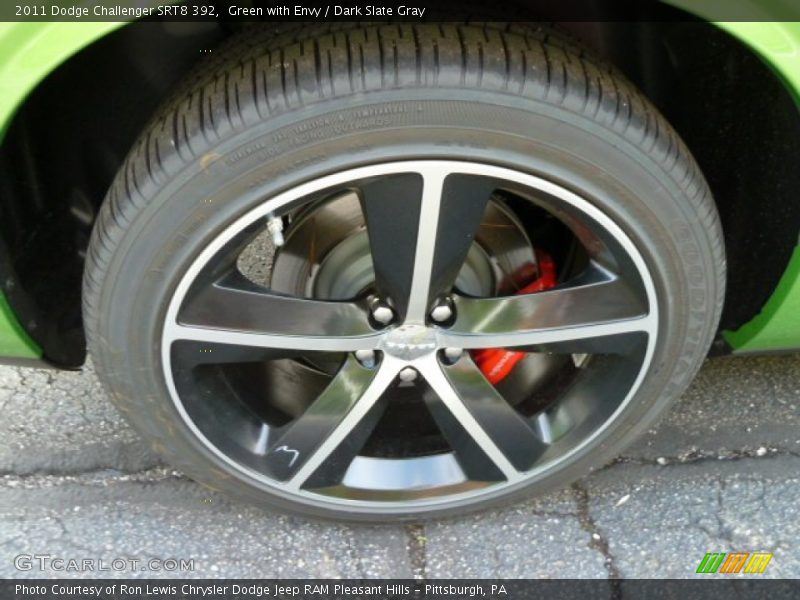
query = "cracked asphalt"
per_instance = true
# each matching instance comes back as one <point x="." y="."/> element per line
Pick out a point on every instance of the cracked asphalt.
<point x="721" y="473"/>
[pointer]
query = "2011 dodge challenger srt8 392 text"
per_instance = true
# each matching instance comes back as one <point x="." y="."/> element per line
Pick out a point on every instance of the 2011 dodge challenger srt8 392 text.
<point x="382" y="271"/>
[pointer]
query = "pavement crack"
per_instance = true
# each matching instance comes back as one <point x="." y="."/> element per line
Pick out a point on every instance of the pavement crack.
<point x="698" y="456"/>
<point x="63" y="533"/>
<point x="45" y="479"/>
<point x="726" y="531"/>
<point x="597" y="541"/>
<point x="355" y="557"/>
<point x="553" y="514"/>
<point x="416" y="543"/>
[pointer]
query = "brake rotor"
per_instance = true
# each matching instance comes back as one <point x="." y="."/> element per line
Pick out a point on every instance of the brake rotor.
<point x="326" y="253"/>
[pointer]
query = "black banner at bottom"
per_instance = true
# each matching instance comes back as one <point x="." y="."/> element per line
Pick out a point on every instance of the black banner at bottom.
<point x="354" y="589"/>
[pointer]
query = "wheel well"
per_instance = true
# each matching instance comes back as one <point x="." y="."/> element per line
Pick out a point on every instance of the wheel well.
<point x="741" y="124"/>
<point x="72" y="134"/>
<point x="57" y="161"/>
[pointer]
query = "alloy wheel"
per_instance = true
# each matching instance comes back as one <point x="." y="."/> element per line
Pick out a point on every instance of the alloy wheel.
<point x="380" y="401"/>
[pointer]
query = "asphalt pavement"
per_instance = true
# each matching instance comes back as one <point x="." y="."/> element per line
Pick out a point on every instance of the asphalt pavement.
<point x="720" y="474"/>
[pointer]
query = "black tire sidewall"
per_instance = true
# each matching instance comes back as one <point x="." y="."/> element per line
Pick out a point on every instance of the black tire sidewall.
<point x="189" y="209"/>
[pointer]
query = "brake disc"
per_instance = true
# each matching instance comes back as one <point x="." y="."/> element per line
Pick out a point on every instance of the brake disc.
<point x="326" y="253"/>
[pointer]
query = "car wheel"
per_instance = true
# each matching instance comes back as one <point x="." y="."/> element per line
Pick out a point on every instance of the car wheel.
<point x="392" y="272"/>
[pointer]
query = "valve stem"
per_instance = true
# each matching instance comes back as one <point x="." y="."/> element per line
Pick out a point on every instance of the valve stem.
<point x="275" y="228"/>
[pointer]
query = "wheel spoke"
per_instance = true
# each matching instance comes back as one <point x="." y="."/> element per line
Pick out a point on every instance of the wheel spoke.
<point x="509" y="430"/>
<point x="232" y="311"/>
<point x="463" y="200"/>
<point x="189" y="353"/>
<point x="391" y="208"/>
<point x="442" y="246"/>
<point x="620" y="343"/>
<point x="476" y="406"/>
<point x="597" y="304"/>
<point x="307" y="444"/>
<point x="433" y="180"/>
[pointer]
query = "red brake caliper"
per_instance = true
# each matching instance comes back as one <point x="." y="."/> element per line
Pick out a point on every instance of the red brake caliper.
<point x="497" y="363"/>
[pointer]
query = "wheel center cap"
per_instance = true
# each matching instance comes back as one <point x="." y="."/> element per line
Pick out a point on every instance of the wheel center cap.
<point x="409" y="342"/>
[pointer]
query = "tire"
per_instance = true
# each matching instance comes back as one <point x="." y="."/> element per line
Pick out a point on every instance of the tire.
<point x="276" y="112"/>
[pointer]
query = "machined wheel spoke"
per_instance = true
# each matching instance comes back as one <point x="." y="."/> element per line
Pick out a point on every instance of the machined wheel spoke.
<point x="620" y="343"/>
<point x="326" y="425"/>
<point x="190" y="353"/>
<point x="476" y="406"/>
<point x="296" y="445"/>
<point x="509" y="431"/>
<point x="320" y="343"/>
<point x="442" y="245"/>
<point x="433" y="182"/>
<point x="232" y="312"/>
<point x="596" y="305"/>
<point x="464" y="200"/>
<point x="391" y="207"/>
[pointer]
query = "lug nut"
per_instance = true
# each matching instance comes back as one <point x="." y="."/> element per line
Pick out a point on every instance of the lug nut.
<point x="382" y="314"/>
<point x="366" y="358"/>
<point x="408" y="374"/>
<point x="442" y="313"/>
<point x="453" y="354"/>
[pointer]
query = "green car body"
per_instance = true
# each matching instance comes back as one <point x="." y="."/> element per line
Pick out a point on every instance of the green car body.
<point x="29" y="52"/>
